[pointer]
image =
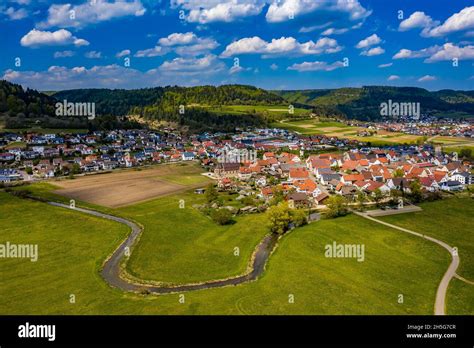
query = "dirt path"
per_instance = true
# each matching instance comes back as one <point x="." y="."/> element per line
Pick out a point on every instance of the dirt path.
<point x="440" y="302"/>
<point x="111" y="271"/>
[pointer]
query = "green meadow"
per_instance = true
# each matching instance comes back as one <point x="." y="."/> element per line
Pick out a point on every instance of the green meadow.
<point x="451" y="221"/>
<point x="180" y="246"/>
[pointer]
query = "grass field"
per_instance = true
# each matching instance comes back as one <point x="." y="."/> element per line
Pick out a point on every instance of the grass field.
<point x="182" y="245"/>
<point x="73" y="246"/>
<point x="451" y="221"/>
<point x="131" y="186"/>
<point x="277" y="110"/>
<point x="341" y="130"/>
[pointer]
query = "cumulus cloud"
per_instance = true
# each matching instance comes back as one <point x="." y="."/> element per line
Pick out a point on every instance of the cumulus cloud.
<point x="203" y="12"/>
<point x="417" y="19"/>
<point x="235" y="69"/>
<point x="13" y="14"/>
<point x="371" y="40"/>
<point x="192" y="66"/>
<point x="36" y="38"/>
<point x="450" y="51"/>
<point x="60" y="77"/>
<point x="393" y="78"/>
<point x="123" y="53"/>
<point x="283" y="45"/>
<point x="184" y="44"/>
<point x="462" y="20"/>
<point x="218" y="10"/>
<point x="437" y="53"/>
<point x="274" y="67"/>
<point x="90" y="12"/>
<point x="151" y="52"/>
<point x="63" y="54"/>
<point x="93" y="55"/>
<point x="375" y="51"/>
<point x="176" y="72"/>
<point x="427" y="78"/>
<point x="316" y="66"/>
<point x="285" y="9"/>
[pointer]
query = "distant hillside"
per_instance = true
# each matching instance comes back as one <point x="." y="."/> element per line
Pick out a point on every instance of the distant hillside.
<point x="26" y="108"/>
<point x="364" y="103"/>
<point x="219" y="108"/>
<point x="122" y="102"/>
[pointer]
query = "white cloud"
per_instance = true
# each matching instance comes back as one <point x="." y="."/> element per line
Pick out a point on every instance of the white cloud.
<point x="79" y="16"/>
<point x="218" y="10"/>
<point x="314" y="27"/>
<point x="235" y="69"/>
<point x="60" y="77"/>
<point x="450" y="51"/>
<point x="437" y="53"/>
<point x="284" y="10"/>
<point x="203" y="12"/>
<point x="334" y="31"/>
<point x="385" y="65"/>
<point x="427" y="78"/>
<point x="417" y="19"/>
<point x="116" y="76"/>
<point x="274" y="67"/>
<point x="184" y="44"/>
<point x="375" y="51"/>
<point x="37" y="38"/>
<point x="281" y="46"/>
<point x="425" y="52"/>
<point x="63" y="54"/>
<point x="192" y="66"/>
<point x="316" y="66"/>
<point x="178" y="39"/>
<point x="393" y="78"/>
<point x="371" y="40"/>
<point x="15" y="14"/>
<point x="123" y="53"/>
<point x="462" y="20"/>
<point x="151" y="52"/>
<point x="93" y="55"/>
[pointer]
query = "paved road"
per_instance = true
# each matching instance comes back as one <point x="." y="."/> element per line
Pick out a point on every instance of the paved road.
<point x="111" y="269"/>
<point x="440" y="303"/>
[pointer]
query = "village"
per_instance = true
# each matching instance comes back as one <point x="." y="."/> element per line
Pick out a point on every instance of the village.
<point x="261" y="163"/>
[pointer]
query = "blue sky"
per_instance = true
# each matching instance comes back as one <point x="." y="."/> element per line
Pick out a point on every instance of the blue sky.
<point x="274" y="44"/>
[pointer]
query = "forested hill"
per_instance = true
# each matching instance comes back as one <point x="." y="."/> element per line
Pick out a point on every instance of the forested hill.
<point x="16" y="100"/>
<point x="364" y="103"/>
<point x="148" y="100"/>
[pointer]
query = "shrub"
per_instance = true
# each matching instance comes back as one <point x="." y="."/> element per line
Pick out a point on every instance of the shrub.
<point x="221" y="216"/>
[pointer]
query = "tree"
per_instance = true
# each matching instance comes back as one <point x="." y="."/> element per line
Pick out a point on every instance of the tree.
<point x="361" y="199"/>
<point x="211" y="193"/>
<point x="298" y="217"/>
<point x="399" y="173"/>
<point x="415" y="191"/>
<point x="337" y="206"/>
<point x="278" y="196"/>
<point x="76" y="169"/>
<point x="466" y="153"/>
<point x="221" y="216"/>
<point x="378" y="196"/>
<point x="279" y="218"/>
